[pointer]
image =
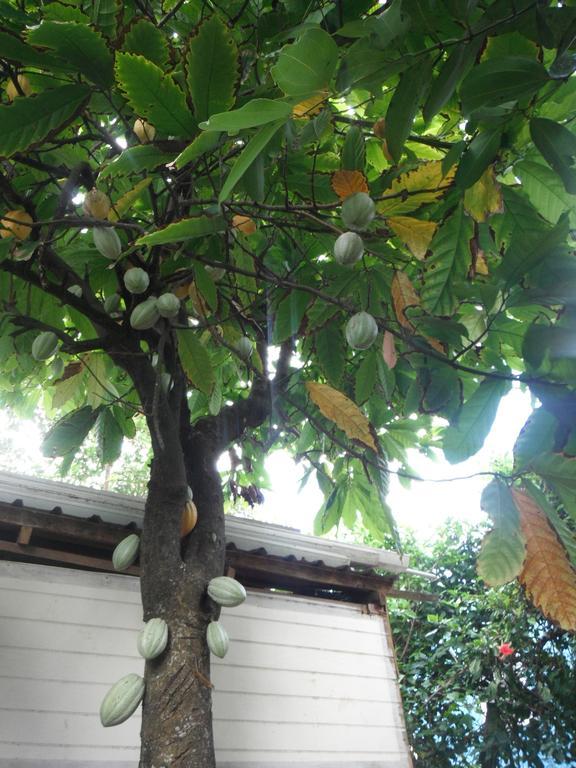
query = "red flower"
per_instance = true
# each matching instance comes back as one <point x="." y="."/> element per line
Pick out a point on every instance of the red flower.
<point x="505" y="650"/>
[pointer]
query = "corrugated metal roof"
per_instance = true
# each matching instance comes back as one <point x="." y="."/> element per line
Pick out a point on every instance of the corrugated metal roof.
<point x="245" y="534"/>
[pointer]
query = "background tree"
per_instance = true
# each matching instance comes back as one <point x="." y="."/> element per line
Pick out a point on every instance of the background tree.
<point x="471" y="700"/>
<point x="314" y="225"/>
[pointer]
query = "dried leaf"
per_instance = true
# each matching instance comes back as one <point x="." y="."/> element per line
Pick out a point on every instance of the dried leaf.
<point x="416" y="234"/>
<point x="198" y="302"/>
<point x="411" y="190"/>
<point x="346" y="183"/>
<point x="121" y="205"/>
<point x="343" y="412"/>
<point x="481" y="265"/>
<point x="389" y="350"/>
<point x="484" y="198"/>
<point x="403" y="296"/>
<point x="548" y="577"/>
<point x="310" y="107"/>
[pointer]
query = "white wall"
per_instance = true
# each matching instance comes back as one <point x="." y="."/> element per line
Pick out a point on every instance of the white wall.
<point x="306" y="682"/>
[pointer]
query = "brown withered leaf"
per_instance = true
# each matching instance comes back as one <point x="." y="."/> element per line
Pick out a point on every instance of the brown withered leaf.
<point x="343" y="412"/>
<point x="547" y="575"/>
<point x="389" y="350"/>
<point x="346" y="183"/>
<point x="311" y="106"/>
<point x="403" y="297"/>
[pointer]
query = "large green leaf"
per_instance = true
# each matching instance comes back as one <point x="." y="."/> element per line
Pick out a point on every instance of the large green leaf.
<point x="68" y="434"/>
<point x="545" y="190"/>
<point x="452" y="71"/>
<point x="404" y="106"/>
<point x="559" y="474"/>
<point x="195" y="361"/>
<point x="353" y="150"/>
<point x="536" y="437"/>
<point x="14" y="49"/>
<point x="467" y="436"/>
<point x="104" y="16"/>
<point x="289" y="315"/>
<point x="212" y="68"/>
<point x="558" y="147"/>
<point x="330" y="348"/>
<point x="142" y="157"/>
<point x="253" y="114"/>
<point x="306" y="66"/>
<point x="81" y="46"/>
<point x="480" y="153"/>
<point x="154" y="95"/>
<point x="202" y="145"/>
<point x="146" y="39"/>
<point x="255" y="146"/>
<point x="501" y="556"/>
<point x="110" y="437"/>
<point x="450" y="261"/>
<point x="27" y="122"/>
<point x="501" y="80"/>
<point x="186" y="229"/>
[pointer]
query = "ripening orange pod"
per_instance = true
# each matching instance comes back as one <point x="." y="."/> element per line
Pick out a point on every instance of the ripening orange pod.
<point x="189" y="519"/>
<point x="244" y="224"/>
<point x="16" y="224"/>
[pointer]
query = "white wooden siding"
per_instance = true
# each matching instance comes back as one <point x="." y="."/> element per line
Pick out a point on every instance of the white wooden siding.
<point x="306" y="682"/>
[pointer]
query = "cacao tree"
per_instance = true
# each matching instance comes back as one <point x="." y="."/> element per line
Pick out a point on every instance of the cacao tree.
<point x="342" y="228"/>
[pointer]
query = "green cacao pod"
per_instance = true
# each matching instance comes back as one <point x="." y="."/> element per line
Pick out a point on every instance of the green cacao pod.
<point x="244" y="347"/>
<point x="153" y="639"/>
<point x="348" y="249"/>
<point x="57" y="368"/>
<point x="126" y="552"/>
<point x="358" y="210"/>
<point x="217" y="638"/>
<point x="145" y="315"/>
<point x="75" y="290"/>
<point x="136" y="280"/>
<point x="168" y="305"/>
<point x="112" y="304"/>
<point x="44" y="345"/>
<point x="361" y="331"/>
<point x="122" y="700"/>
<point x="226" y="591"/>
<point x="107" y="242"/>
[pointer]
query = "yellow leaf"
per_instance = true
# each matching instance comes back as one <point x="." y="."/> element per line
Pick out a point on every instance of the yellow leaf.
<point x="485" y="197"/>
<point x="310" y="107"/>
<point x="198" y="302"/>
<point x="403" y="296"/>
<point x="65" y="390"/>
<point x="121" y="205"/>
<point x="343" y="412"/>
<point x="548" y="577"/>
<point x="481" y="265"/>
<point x="416" y="234"/>
<point x="346" y="183"/>
<point x="411" y="190"/>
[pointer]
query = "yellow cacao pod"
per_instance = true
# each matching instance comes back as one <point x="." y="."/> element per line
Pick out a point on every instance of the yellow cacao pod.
<point x="16" y="225"/>
<point x="97" y="204"/>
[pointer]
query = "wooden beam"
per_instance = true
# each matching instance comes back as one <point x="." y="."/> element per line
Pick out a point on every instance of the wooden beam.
<point x="305" y="572"/>
<point x="66" y="558"/>
<point x="408" y="594"/>
<point x="24" y="534"/>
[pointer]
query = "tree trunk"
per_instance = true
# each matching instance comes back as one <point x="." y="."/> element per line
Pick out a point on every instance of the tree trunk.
<point x="177" y="709"/>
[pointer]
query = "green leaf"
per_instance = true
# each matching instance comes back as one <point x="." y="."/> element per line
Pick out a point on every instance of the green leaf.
<point x="353" y="150"/>
<point x="536" y="437"/>
<point x="195" y="361"/>
<point x="206" y="286"/>
<point x="212" y="69"/>
<point x="79" y="45"/>
<point x="68" y="434"/>
<point x="379" y="519"/>
<point x="501" y="557"/>
<point x="186" y="229"/>
<point x="14" y="49"/>
<point x="147" y="40"/>
<point x="502" y="80"/>
<point x="366" y="376"/>
<point x="558" y="147"/>
<point x="545" y="190"/>
<point x="404" y="106"/>
<point x="329" y="514"/>
<point x="330" y="349"/>
<point x="450" y="261"/>
<point x="497" y="501"/>
<point x="290" y="312"/>
<point x="480" y="153"/>
<point x="452" y="71"/>
<point x="30" y="121"/>
<point x="143" y="157"/>
<point x="104" y="13"/>
<point x="154" y="95"/>
<point x="202" y="145"/>
<point x="306" y="66"/>
<point x="474" y="421"/>
<point x="527" y="251"/>
<point x="255" y="146"/>
<point x="559" y="474"/>
<point x="110" y="437"/>
<point x="255" y="113"/>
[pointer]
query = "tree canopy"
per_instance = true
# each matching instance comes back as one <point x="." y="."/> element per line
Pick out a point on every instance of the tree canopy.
<point x="342" y="228"/>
